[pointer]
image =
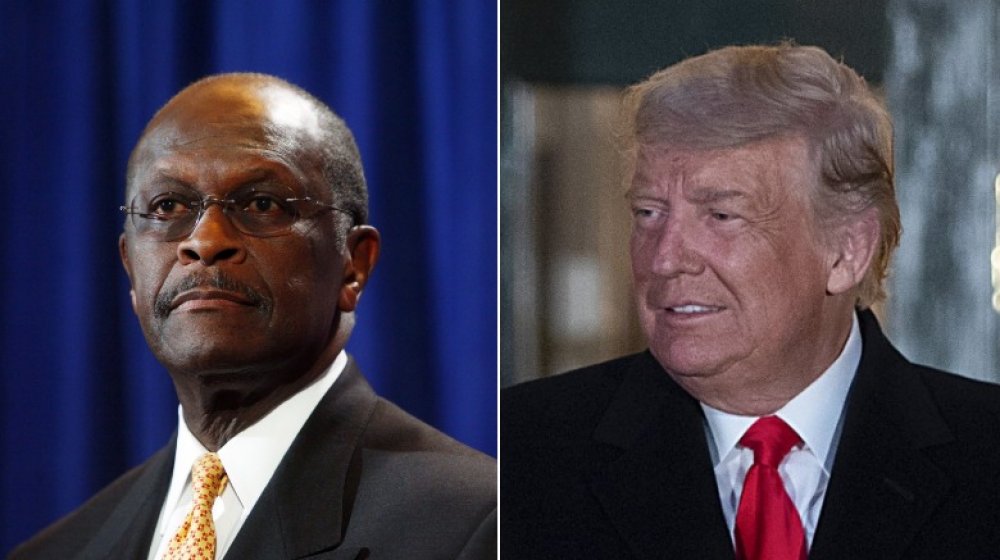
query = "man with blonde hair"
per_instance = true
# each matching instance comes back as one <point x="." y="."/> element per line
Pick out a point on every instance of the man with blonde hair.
<point x="770" y="417"/>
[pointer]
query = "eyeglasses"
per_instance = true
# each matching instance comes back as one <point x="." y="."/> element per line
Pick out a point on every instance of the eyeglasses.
<point x="260" y="211"/>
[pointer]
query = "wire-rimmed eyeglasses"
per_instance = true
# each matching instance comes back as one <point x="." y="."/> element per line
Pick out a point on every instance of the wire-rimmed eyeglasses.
<point x="260" y="211"/>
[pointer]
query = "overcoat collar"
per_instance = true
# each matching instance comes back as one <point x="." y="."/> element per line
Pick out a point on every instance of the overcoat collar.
<point x="660" y="493"/>
<point x="883" y="487"/>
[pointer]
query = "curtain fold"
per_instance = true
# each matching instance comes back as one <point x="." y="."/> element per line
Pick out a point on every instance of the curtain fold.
<point x="83" y="398"/>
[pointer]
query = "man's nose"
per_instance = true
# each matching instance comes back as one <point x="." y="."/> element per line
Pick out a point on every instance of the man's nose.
<point x="213" y="239"/>
<point x="675" y="250"/>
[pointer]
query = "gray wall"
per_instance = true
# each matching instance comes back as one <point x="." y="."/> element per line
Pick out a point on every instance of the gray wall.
<point x="943" y="87"/>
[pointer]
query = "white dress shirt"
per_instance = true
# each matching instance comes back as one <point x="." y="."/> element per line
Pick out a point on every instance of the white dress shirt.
<point x="250" y="459"/>
<point x="815" y="414"/>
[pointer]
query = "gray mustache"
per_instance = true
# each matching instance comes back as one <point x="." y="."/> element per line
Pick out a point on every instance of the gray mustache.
<point x="218" y="281"/>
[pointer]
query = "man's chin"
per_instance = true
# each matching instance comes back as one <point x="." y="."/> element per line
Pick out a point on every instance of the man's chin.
<point x="216" y="364"/>
<point x="688" y="361"/>
<point x="236" y="325"/>
<point x="207" y="355"/>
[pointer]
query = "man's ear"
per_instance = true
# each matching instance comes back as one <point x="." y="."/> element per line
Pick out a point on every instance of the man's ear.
<point x="123" y="253"/>
<point x="854" y="244"/>
<point x="362" y="252"/>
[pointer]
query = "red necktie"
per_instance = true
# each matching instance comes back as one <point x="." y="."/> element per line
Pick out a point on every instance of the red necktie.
<point x="767" y="525"/>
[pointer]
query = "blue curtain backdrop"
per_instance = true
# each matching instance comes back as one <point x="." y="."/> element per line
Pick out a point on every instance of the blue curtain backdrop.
<point x="83" y="398"/>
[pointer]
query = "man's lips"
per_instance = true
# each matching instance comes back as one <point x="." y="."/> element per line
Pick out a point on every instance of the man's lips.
<point x="206" y="299"/>
<point x="216" y="290"/>
<point x="691" y="309"/>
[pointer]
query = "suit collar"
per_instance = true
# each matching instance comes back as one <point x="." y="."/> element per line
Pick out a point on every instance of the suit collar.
<point x="660" y="491"/>
<point x="315" y="483"/>
<point x="307" y="505"/>
<point x="252" y="456"/>
<point x="883" y="487"/>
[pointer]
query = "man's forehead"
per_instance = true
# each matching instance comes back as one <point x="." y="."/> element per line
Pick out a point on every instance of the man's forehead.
<point x="700" y="174"/>
<point x="236" y="108"/>
<point x="251" y="165"/>
<point x="221" y="167"/>
<point x="753" y="174"/>
<point x="185" y="136"/>
<point x="287" y="110"/>
<point x="271" y="121"/>
<point x="221" y="160"/>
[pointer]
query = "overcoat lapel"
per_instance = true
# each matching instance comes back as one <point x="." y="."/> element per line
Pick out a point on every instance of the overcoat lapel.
<point x="883" y="487"/>
<point x="660" y="494"/>
<point x="128" y="531"/>
<point x="305" y="509"/>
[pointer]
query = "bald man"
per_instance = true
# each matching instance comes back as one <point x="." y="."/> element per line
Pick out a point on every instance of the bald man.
<point x="247" y="247"/>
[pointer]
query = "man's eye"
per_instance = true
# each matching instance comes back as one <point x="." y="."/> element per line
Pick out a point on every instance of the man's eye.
<point x="720" y="216"/>
<point x="168" y="207"/>
<point x="264" y="204"/>
<point x="645" y="214"/>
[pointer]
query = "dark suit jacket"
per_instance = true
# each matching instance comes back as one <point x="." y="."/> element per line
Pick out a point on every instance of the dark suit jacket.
<point x="611" y="461"/>
<point x="363" y="479"/>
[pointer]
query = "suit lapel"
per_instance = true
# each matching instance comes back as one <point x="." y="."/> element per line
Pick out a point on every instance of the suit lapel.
<point x="306" y="507"/>
<point x="883" y="487"/>
<point x="128" y="531"/>
<point x="660" y="493"/>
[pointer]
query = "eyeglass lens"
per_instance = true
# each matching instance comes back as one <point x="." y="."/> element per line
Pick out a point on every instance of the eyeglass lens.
<point x="254" y="210"/>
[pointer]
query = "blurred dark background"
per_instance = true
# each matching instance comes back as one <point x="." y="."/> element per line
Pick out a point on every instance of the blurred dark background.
<point x="599" y="42"/>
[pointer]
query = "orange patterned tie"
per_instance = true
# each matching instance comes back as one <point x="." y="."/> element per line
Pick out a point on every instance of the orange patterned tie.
<point x="195" y="538"/>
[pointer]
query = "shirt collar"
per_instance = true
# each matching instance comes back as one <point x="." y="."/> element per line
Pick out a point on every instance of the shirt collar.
<point x="251" y="456"/>
<point x="814" y="413"/>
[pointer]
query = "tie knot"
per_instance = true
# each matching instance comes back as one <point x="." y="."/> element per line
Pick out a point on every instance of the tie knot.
<point x="207" y="476"/>
<point x="771" y="439"/>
